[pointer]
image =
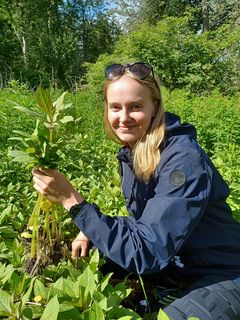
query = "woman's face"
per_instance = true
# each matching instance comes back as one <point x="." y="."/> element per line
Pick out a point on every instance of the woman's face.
<point x="130" y="109"/>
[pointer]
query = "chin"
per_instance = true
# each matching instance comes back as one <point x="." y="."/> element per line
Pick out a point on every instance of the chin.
<point x="127" y="140"/>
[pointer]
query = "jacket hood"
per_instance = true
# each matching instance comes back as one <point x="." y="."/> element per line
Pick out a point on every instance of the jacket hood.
<point x="174" y="127"/>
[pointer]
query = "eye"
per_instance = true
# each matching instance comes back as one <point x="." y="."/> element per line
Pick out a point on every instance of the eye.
<point x="114" y="107"/>
<point x="136" y="107"/>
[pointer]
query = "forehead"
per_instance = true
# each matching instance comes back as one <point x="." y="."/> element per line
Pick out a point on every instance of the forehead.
<point x="127" y="88"/>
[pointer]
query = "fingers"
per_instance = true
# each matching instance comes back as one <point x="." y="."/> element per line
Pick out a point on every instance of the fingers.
<point x="84" y="249"/>
<point x="41" y="183"/>
<point x="45" y="174"/>
<point x="55" y="187"/>
<point x="80" y="246"/>
<point x="75" y="251"/>
<point x="44" y="187"/>
<point x="41" y="179"/>
<point x="45" y="182"/>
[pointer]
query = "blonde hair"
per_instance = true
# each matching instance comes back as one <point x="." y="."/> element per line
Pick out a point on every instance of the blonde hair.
<point x="146" y="151"/>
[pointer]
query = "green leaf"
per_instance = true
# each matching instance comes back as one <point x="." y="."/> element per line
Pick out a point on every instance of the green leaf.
<point x="44" y="101"/>
<point x="104" y="282"/>
<point x="21" y="156"/>
<point x="101" y="299"/>
<point x="87" y="280"/>
<point x="94" y="313"/>
<point x="30" y="150"/>
<point x="66" y="287"/>
<point x="27" y="314"/>
<point x="67" y="311"/>
<point x="162" y="315"/>
<point x="97" y="312"/>
<point x="2" y="116"/>
<point x="5" y="213"/>
<point x="8" y="232"/>
<point x="94" y="261"/>
<point x="40" y="290"/>
<point x="87" y="286"/>
<point x="26" y="296"/>
<point x="23" y="140"/>
<point x="28" y="112"/>
<point x="6" y="273"/>
<point x="37" y="311"/>
<point x="5" y="302"/>
<point x="66" y="119"/>
<point x="22" y="133"/>
<point x="121" y="291"/>
<point x="51" y="311"/>
<point x="67" y="105"/>
<point x="34" y="135"/>
<point x="58" y="104"/>
<point x="119" y="312"/>
<point x="44" y="148"/>
<point x="17" y="283"/>
<point x="26" y="235"/>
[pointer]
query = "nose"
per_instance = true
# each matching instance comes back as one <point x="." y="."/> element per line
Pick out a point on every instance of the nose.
<point x="124" y="116"/>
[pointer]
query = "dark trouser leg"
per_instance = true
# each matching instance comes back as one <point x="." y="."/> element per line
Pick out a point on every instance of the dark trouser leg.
<point x="208" y="299"/>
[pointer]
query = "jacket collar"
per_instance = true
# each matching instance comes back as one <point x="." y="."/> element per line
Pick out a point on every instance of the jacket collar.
<point x="125" y="155"/>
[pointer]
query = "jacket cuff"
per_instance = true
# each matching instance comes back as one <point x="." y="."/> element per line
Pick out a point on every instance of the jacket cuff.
<point x="75" y="210"/>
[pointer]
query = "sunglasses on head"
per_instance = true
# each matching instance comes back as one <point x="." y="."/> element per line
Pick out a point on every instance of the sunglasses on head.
<point x="140" y="69"/>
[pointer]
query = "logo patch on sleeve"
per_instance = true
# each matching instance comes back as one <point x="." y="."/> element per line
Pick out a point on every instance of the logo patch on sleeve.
<point x="177" y="178"/>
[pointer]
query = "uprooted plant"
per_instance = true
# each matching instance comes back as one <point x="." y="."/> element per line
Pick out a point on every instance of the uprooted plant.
<point x="44" y="147"/>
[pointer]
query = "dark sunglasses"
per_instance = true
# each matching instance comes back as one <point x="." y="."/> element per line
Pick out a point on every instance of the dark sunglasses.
<point x="140" y="69"/>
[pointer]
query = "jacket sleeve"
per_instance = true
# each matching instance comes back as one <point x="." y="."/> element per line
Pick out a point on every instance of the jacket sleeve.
<point x="148" y="244"/>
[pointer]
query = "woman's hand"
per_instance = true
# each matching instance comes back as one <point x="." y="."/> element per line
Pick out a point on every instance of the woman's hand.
<point x="80" y="246"/>
<point x="55" y="187"/>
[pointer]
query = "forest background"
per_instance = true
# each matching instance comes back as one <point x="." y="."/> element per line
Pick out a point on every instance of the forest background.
<point x="193" y="44"/>
<point x="194" y="47"/>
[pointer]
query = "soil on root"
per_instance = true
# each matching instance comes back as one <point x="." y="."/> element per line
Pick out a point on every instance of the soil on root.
<point x="46" y="255"/>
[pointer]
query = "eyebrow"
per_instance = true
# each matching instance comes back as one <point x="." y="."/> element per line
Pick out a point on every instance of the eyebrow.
<point x="112" y="103"/>
<point x="138" y="100"/>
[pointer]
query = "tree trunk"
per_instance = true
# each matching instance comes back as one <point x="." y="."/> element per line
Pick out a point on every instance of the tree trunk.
<point x="205" y="15"/>
<point x="24" y="50"/>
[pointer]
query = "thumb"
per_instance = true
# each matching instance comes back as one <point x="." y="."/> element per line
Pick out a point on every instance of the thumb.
<point x="39" y="170"/>
<point x="46" y="171"/>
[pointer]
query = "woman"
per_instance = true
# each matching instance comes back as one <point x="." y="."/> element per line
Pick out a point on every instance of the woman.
<point x="179" y="225"/>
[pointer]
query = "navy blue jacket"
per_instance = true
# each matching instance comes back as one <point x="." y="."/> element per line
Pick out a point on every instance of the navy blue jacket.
<point x="179" y="217"/>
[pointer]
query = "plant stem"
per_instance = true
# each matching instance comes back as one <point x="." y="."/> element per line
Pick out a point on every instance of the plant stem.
<point x="145" y="296"/>
<point x="35" y="218"/>
<point x="47" y="228"/>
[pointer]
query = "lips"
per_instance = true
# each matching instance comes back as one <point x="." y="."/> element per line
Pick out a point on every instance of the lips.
<point x="126" y="129"/>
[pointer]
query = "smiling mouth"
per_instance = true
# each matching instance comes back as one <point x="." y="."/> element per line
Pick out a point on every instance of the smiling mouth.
<point x="127" y="128"/>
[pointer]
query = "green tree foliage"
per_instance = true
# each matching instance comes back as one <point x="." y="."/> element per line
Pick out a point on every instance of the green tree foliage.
<point x="52" y="39"/>
<point x="153" y="11"/>
<point x="55" y="41"/>
<point x="223" y="11"/>
<point x="181" y="58"/>
<point x="208" y="14"/>
<point x="9" y="48"/>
